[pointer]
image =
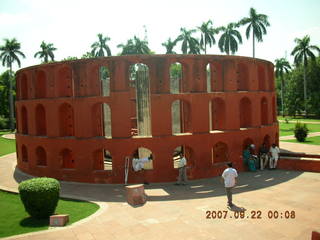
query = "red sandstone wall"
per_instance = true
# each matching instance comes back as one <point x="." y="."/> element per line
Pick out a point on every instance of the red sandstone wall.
<point x="67" y="95"/>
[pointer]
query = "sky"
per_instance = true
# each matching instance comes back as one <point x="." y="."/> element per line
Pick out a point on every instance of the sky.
<point x="72" y="25"/>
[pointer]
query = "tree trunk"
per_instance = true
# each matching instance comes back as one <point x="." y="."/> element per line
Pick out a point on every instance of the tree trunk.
<point x="282" y="100"/>
<point x="11" y="109"/>
<point x="305" y="87"/>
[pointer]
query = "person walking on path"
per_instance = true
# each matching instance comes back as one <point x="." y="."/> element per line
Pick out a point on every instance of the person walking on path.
<point x="274" y="152"/>
<point x="182" y="165"/>
<point x="229" y="177"/>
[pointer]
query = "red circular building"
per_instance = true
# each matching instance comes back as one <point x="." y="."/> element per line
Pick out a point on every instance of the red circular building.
<point x="79" y="120"/>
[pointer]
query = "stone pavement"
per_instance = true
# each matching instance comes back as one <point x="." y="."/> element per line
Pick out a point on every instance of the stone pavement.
<point x="180" y="212"/>
<point x="299" y="148"/>
<point x="313" y="134"/>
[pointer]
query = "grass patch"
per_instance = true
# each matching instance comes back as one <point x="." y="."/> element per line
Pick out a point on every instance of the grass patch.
<point x="309" y="140"/>
<point x="286" y="129"/>
<point x="6" y="145"/>
<point x="15" y="220"/>
<point x="301" y="119"/>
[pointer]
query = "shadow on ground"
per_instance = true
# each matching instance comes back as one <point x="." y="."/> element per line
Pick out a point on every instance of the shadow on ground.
<point x="196" y="189"/>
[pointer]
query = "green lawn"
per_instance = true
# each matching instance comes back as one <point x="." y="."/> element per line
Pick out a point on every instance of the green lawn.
<point x="15" y="220"/>
<point x="292" y="119"/>
<point x="309" y="140"/>
<point x="6" y="145"/>
<point x="287" y="128"/>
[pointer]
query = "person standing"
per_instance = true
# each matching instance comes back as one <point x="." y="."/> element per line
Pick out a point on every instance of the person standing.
<point x="263" y="155"/>
<point x="182" y="165"/>
<point x="274" y="152"/>
<point x="229" y="176"/>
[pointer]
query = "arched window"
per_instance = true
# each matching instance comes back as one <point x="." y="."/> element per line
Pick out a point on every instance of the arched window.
<point x="264" y="111"/>
<point x="220" y="153"/>
<point x="181" y="117"/>
<point x="64" y="82"/>
<point x="175" y="78"/>
<point x="142" y="152"/>
<point x="24" y="153"/>
<point x="245" y="113"/>
<point x="261" y="78"/>
<point x="243" y="77"/>
<point x="41" y="156"/>
<point x="67" y="159"/>
<point x="186" y="151"/>
<point x="102" y="160"/>
<point x="24" y="86"/>
<point x="24" y="120"/>
<point x="217" y="110"/>
<point x="101" y="120"/>
<point x="105" y="81"/>
<point x="141" y="112"/>
<point x="66" y="118"/>
<point x="41" y="125"/>
<point x="208" y="74"/>
<point x="40" y="84"/>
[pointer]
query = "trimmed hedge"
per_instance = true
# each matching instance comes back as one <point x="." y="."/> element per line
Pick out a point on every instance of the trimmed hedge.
<point x="40" y="196"/>
<point x="301" y="131"/>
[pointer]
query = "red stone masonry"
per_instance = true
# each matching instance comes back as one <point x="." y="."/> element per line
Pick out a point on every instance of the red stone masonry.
<point x="59" y="120"/>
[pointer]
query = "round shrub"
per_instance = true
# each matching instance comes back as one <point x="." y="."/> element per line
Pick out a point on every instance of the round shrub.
<point x="40" y="196"/>
<point x="301" y="131"/>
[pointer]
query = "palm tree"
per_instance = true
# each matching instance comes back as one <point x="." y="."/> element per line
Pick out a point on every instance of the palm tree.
<point x="99" y="47"/>
<point x="46" y="52"/>
<point x="169" y="45"/>
<point x="135" y="46"/>
<point x="9" y="54"/>
<point x="229" y="39"/>
<point x="282" y="66"/>
<point x="188" y="42"/>
<point x="207" y="35"/>
<point x="257" y="23"/>
<point x="301" y="53"/>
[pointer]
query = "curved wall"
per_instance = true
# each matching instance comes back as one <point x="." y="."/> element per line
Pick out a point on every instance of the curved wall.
<point x="225" y="102"/>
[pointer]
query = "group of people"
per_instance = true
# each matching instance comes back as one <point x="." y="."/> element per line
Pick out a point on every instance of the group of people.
<point x="265" y="156"/>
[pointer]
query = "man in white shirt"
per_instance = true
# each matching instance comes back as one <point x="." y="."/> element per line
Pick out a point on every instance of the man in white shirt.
<point x="229" y="176"/>
<point x="274" y="152"/>
<point x="182" y="165"/>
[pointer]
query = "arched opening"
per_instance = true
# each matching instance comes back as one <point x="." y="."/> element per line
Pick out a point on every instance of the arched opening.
<point x="67" y="159"/>
<point x="140" y="100"/>
<point x="143" y="153"/>
<point x="41" y="125"/>
<point x="24" y="120"/>
<point x="41" y="156"/>
<point x="186" y="151"/>
<point x="208" y="74"/>
<point x="64" y="82"/>
<point x="66" y="118"/>
<point x="216" y="77"/>
<point x="276" y="141"/>
<point x="266" y="140"/>
<point x="243" y="77"/>
<point x="264" y="111"/>
<point x="217" y="114"/>
<point x="246" y="143"/>
<point x="24" y="86"/>
<point x="40" y="84"/>
<point x="101" y="120"/>
<point x="175" y="78"/>
<point x="220" y="153"/>
<point x="24" y="153"/>
<point x="102" y="160"/>
<point x="105" y="81"/>
<point x="245" y="112"/>
<point x="181" y="117"/>
<point x="262" y="78"/>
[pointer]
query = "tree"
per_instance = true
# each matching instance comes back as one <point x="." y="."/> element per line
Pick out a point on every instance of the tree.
<point x="229" y="39"/>
<point x="135" y="46"/>
<point x="169" y="45"/>
<point x="282" y="65"/>
<point x="257" y="24"/>
<point x="10" y="53"/>
<point x="207" y="35"/>
<point x="99" y="47"/>
<point x="301" y="53"/>
<point x="46" y="52"/>
<point x="188" y="42"/>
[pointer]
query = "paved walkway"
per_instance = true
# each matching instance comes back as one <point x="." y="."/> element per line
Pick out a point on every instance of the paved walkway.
<point x="313" y="134"/>
<point x="179" y="212"/>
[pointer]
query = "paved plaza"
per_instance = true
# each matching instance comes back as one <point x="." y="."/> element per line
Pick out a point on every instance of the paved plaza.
<point x="195" y="211"/>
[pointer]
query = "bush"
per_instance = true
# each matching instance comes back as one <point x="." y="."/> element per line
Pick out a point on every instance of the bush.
<point x="40" y="196"/>
<point x="301" y="131"/>
<point x="4" y="122"/>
